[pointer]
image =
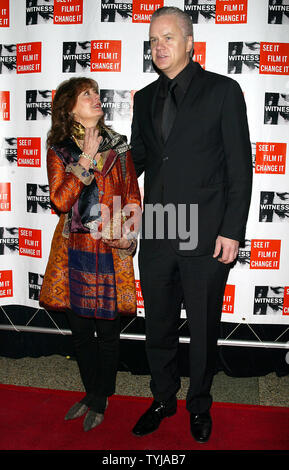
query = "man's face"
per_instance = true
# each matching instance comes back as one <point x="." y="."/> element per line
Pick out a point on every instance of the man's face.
<point x="170" y="49"/>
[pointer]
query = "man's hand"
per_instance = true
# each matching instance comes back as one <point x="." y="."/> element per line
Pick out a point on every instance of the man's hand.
<point x="228" y="247"/>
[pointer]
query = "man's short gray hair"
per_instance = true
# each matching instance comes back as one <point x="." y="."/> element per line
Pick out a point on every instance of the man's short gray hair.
<point x="183" y="17"/>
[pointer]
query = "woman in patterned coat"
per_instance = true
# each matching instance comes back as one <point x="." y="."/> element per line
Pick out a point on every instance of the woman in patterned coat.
<point x="94" y="189"/>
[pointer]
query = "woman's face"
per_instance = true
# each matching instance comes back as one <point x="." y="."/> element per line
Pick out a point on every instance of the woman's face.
<point x="87" y="109"/>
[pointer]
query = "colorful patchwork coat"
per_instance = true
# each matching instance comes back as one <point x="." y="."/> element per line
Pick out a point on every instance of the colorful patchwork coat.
<point x="83" y="273"/>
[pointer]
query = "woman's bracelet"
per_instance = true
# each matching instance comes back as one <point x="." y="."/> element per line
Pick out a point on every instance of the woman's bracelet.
<point x="88" y="157"/>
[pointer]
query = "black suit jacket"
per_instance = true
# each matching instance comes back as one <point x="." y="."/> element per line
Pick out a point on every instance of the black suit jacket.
<point x="205" y="161"/>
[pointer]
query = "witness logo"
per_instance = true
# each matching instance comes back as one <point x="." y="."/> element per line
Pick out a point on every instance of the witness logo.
<point x="9" y="242"/>
<point x="270" y="158"/>
<point x="95" y="56"/>
<point x="116" y="104"/>
<point x="274" y="207"/>
<point x="271" y="300"/>
<point x="217" y="11"/>
<point x="22" y="58"/>
<point x="54" y="11"/>
<point x="4" y="14"/>
<point x="200" y="53"/>
<point x="34" y="285"/>
<point x="5" y="196"/>
<point x="265" y="254"/>
<point x="265" y="58"/>
<point x="278" y="12"/>
<point x="116" y="11"/>
<point x="25" y="151"/>
<point x="286" y="301"/>
<point x="8" y="151"/>
<point x="276" y="109"/>
<point x="135" y="11"/>
<point x="38" y="104"/>
<point x="29" y="151"/>
<point x="243" y="57"/>
<point x="229" y="299"/>
<point x="201" y="11"/>
<point x="30" y="242"/>
<point x="105" y="56"/>
<point x="148" y="66"/>
<point x="244" y="255"/>
<point x="38" y="199"/>
<point x="231" y="11"/>
<point x="6" y="283"/>
<point x="68" y="12"/>
<point x="4" y="105"/>
<point x="39" y="11"/>
<point x="7" y="58"/>
<point x="259" y="254"/>
<point x="274" y="58"/>
<point x="28" y="57"/>
<point x="142" y="10"/>
<point x="76" y="56"/>
<point x="139" y="297"/>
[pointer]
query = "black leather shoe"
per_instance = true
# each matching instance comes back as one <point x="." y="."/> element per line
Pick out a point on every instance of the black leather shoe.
<point x="151" y="419"/>
<point x="201" y="426"/>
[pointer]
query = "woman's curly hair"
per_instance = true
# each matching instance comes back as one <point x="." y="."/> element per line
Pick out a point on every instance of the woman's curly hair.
<point x="63" y="103"/>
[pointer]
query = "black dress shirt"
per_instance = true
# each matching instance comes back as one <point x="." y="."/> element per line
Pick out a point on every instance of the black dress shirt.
<point x="182" y="80"/>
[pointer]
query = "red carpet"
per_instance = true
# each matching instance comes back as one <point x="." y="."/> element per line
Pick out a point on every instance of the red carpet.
<point x="32" y="419"/>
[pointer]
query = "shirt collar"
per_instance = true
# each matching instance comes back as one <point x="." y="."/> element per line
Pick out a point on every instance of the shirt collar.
<point x="182" y="79"/>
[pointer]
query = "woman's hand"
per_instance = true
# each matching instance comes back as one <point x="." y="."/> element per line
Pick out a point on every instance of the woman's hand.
<point x="91" y="144"/>
<point x="122" y="243"/>
<point x="92" y="141"/>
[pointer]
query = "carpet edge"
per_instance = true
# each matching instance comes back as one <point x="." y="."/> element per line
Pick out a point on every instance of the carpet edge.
<point x="24" y="388"/>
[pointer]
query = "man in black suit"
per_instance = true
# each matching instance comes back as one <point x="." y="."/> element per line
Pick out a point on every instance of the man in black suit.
<point x="199" y="159"/>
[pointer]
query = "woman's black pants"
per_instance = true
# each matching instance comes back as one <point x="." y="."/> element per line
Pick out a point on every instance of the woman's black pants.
<point x="96" y="355"/>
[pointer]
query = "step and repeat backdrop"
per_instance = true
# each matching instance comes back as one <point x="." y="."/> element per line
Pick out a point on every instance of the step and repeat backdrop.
<point x="44" y="42"/>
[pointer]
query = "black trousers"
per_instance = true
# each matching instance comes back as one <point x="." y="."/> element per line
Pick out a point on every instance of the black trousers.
<point x="167" y="279"/>
<point x="97" y="356"/>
